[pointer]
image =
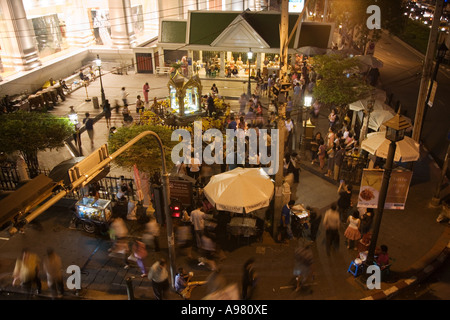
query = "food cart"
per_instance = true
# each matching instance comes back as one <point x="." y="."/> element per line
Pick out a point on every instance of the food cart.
<point x="94" y="214"/>
<point x="300" y="220"/>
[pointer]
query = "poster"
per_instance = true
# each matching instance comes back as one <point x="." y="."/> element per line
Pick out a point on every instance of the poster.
<point x="397" y="192"/>
<point x="371" y="181"/>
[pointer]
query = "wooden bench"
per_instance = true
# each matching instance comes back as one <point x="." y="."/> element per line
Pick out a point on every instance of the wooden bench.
<point x="163" y="70"/>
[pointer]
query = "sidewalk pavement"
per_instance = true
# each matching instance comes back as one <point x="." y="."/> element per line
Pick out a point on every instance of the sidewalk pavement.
<point x="416" y="241"/>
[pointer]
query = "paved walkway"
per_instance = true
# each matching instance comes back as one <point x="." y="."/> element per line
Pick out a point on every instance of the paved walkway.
<point x="416" y="241"/>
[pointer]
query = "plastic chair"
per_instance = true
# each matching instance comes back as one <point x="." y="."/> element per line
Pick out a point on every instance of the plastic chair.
<point x="354" y="267"/>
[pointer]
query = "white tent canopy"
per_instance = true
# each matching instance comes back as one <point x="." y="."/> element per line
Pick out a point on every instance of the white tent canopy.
<point x="377" y="144"/>
<point x="240" y="189"/>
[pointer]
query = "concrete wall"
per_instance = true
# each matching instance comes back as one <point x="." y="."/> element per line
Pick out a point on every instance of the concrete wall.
<point x="32" y="81"/>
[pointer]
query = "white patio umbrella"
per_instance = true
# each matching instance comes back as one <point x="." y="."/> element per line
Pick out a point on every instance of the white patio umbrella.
<point x="378" y="117"/>
<point x="311" y="51"/>
<point x="361" y="105"/>
<point x="377" y="144"/>
<point x="240" y="189"/>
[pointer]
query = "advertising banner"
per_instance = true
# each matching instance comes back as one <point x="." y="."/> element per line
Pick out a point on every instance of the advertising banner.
<point x="397" y="192"/>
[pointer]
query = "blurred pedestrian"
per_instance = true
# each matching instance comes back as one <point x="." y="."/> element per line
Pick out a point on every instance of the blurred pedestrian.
<point x="184" y="235"/>
<point x="197" y="220"/>
<point x="152" y="233"/>
<point x="314" y="222"/>
<point x="53" y="268"/>
<point x="89" y="125"/>
<point x="208" y="252"/>
<point x="26" y="271"/>
<point x="303" y="261"/>
<point x="140" y="253"/>
<point x="159" y="276"/>
<point x="107" y="113"/>
<point x="331" y="223"/>
<point x="344" y="201"/>
<point x="123" y="96"/>
<point x="183" y="283"/>
<point x="249" y="279"/>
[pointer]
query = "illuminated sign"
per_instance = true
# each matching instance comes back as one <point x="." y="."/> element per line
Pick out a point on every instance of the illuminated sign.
<point x="296" y="5"/>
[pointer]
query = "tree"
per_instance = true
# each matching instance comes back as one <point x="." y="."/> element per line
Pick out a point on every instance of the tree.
<point x="30" y="132"/>
<point x="145" y="153"/>
<point x="339" y="81"/>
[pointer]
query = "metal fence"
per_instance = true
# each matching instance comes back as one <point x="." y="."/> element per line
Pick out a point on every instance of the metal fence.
<point x="352" y="168"/>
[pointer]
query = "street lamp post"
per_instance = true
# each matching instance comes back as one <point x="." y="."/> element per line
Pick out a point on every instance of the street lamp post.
<point x="395" y="131"/>
<point x="98" y="62"/>
<point x="249" y="86"/>
<point x="73" y="117"/>
<point x="306" y="104"/>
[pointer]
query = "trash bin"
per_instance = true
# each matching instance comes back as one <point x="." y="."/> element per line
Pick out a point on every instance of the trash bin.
<point x="95" y="102"/>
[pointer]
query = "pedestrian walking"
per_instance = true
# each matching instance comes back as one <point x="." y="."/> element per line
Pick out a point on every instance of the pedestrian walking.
<point x="145" y="91"/>
<point x="249" y="279"/>
<point x="344" y="201"/>
<point x="107" y="113"/>
<point x="303" y="261"/>
<point x="123" y="96"/>
<point x="26" y="271"/>
<point x="352" y="232"/>
<point x="197" y="220"/>
<point x="159" y="276"/>
<point x="53" y="268"/>
<point x="140" y="253"/>
<point x="89" y="125"/>
<point x="331" y="223"/>
<point x="152" y="232"/>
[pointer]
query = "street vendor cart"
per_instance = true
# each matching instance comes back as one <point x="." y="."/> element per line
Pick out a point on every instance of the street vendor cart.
<point x="94" y="214"/>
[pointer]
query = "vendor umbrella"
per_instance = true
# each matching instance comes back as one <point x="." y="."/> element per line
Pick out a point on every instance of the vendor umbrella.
<point x="377" y="144"/>
<point x="311" y="51"/>
<point x="239" y="190"/>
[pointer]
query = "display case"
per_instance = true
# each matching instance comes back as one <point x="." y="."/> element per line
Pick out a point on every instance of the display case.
<point x="95" y="214"/>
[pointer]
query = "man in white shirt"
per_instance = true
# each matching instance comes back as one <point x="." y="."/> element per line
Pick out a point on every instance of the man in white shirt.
<point x="159" y="276"/>
<point x="197" y="220"/>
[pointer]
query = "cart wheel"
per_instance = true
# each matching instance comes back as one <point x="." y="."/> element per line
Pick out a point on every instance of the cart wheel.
<point x="89" y="227"/>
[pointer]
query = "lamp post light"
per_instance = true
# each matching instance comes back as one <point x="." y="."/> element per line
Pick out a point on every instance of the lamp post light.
<point x="306" y="104"/>
<point x="98" y="62"/>
<point x="73" y="118"/>
<point x="395" y="131"/>
<point x="249" y="86"/>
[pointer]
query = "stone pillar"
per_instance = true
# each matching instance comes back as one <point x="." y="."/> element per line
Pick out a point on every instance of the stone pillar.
<point x="161" y="57"/>
<point x="122" y="32"/>
<point x="19" y="48"/>
<point x="78" y="28"/>
<point x="222" y="64"/>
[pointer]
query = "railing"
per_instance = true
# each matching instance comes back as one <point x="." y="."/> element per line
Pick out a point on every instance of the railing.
<point x="351" y="169"/>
